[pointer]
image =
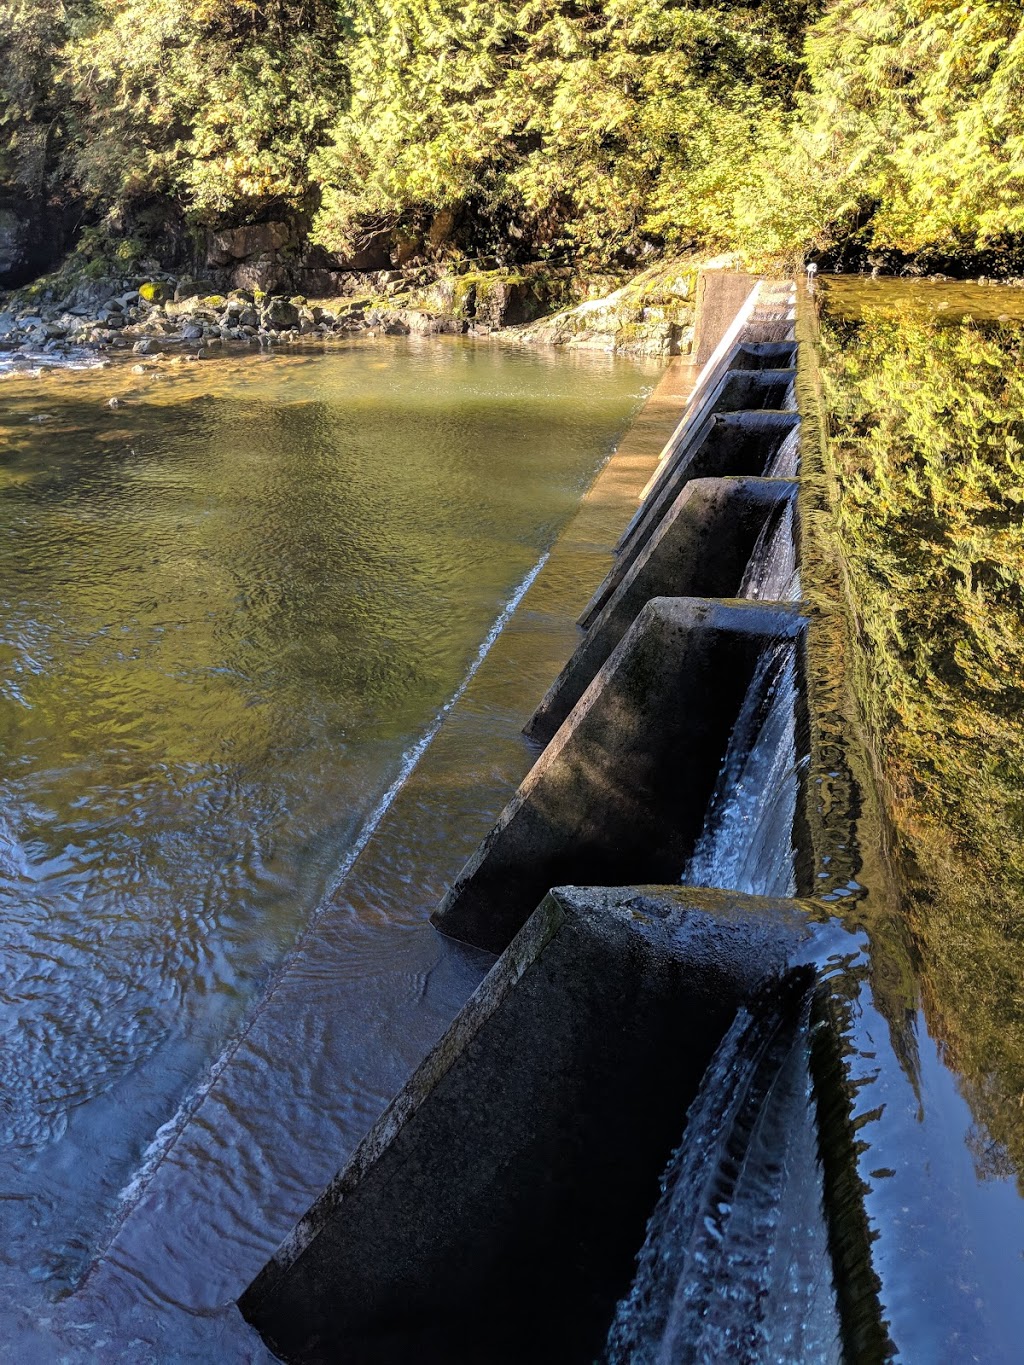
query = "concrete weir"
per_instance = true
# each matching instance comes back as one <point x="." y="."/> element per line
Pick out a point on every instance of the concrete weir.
<point x="496" y="1208"/>
<point x="740" y="444"/>
<point x="621" y="792"/>
<point x="700" y="548"/>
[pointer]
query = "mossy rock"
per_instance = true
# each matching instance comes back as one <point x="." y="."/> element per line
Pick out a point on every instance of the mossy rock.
<point x="153" y="291"/>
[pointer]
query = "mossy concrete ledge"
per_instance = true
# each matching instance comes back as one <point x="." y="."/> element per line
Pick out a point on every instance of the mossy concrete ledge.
<point x="620" y="793"/>
<point x="495" y="1209"/>
<point x="701" y="548"/>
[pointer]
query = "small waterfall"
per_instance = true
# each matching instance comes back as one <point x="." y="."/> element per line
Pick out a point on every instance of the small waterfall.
<point x="772" y="574"/>
<point x="785" y="463"/>
<point x="747" y="841"/>
<point x="735" y="1266"/>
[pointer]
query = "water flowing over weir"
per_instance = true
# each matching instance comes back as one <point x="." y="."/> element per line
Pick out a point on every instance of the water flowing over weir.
<point x="785" y="461"/>
<point x="747" y="840"/>
<point x="736" y="1262"/>
<point x="675" y="1122"/>
<point x="772" y="574"/>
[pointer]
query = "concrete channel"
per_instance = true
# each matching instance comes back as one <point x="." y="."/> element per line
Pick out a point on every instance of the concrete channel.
<point x="502" y="1197"/>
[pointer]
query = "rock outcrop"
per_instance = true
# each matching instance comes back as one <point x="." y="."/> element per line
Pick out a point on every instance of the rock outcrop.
<point x="651" y="315"/>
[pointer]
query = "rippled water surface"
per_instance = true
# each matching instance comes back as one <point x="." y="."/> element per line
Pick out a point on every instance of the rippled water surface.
<point x="231" y="604"/>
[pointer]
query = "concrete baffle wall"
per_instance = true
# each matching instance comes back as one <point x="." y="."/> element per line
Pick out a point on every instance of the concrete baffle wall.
<point x="495" y="1210"/>
<point x="729" y="444"/>
<point x="764" y="356"/>
<point x="720" y="295"/>
<point x="620" y="793"/>
<point x="767" y="331"/>
<point x="701" y="548"/>
<point x="746" y="390"/>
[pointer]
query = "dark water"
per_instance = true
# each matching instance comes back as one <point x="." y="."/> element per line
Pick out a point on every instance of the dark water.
<point x="233" y="606"/>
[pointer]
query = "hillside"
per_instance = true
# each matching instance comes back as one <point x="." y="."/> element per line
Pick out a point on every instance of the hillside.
<point x="598" y="132"/>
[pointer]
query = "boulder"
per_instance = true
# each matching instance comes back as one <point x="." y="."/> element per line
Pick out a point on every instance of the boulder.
<point x="420" y="323"/>
<point x="243" y="243"/>
<point x="264" y="273"/>
<point x="188" y="288"/>
<point x="279" y="313"/>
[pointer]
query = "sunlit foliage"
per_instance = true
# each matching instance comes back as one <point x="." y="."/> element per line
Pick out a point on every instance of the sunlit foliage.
<point x="910" y="135"/>
<point x="605" y="129"/>
<point x="32" y="36"/>
<point x="216" y="104"/>
<point x="603" y="124"/>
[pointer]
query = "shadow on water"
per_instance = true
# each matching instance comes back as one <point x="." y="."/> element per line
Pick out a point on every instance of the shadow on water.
<point x="231" y="606"/>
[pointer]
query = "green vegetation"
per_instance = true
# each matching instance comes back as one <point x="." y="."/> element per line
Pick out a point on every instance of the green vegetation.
<point x="909" y="135"/>
<point x="601" y="125"/>
<point x="928" y="453"/>
<point x="602" y="130"/>
<point x="217" y="105"/>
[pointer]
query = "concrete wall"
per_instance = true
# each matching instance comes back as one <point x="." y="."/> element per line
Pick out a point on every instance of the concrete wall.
<point x="701" y="548"/>
<point x="494" y="1211"/>
<point x="731" y="444"/>
<point x="720" y="296"/>
<point x="620" y="793"/>
<point x="764" y="356"/>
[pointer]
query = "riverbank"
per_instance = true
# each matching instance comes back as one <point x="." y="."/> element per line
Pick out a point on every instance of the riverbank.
<point x="65" y="318"/>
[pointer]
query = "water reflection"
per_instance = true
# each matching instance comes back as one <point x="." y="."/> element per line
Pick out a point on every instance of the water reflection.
<point x="230" y="605"/>
<point x="926" y="390"/>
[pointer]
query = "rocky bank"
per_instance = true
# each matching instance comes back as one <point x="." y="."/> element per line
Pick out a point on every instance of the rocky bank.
<point x="67" y="314"/>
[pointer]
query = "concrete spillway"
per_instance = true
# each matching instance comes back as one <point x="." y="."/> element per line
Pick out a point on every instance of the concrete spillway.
<point x="640" y="1140"/>
<point x="621" y="792"/>
<point x="702" y="547"/>
<point x="635" y="785"/>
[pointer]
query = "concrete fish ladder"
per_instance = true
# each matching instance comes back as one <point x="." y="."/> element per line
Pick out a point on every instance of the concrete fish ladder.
<point x="495" y="1210"/>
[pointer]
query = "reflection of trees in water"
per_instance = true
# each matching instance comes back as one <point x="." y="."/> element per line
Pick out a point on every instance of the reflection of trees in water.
<point x="991" y="1159"/>
<point x="928" y="449"/>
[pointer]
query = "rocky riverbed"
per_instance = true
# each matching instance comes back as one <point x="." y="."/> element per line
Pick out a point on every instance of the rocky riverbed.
<point x="60" y="320"/>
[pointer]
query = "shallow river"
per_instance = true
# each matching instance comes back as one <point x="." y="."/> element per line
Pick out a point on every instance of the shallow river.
<point x="233" y="605"/>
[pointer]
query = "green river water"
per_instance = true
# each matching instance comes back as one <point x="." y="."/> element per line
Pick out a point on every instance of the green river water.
<point x="235" y="606"/>
<point x="232" y="605"/>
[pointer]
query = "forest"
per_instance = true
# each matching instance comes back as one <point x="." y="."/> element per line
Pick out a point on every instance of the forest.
<point x="601" y="132"/>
